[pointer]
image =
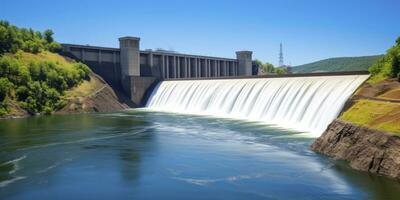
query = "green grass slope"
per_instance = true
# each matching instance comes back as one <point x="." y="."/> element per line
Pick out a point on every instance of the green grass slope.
<point x="338" y="64"/>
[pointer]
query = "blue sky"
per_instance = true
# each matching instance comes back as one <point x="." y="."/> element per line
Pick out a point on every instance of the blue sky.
<point x="309" y="30"/>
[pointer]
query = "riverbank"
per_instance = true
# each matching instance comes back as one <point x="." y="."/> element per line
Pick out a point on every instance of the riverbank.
<point x="365" y="149"/>
<point x="367" y="133"/>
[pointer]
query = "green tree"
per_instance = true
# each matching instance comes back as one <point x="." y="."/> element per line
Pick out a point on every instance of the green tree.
<point x="265" y="67"/>
<point x="280" y="70"/>
<point x="268" y="67"/>
<point x="48" y="36"/>
<point x="395" y="66"/>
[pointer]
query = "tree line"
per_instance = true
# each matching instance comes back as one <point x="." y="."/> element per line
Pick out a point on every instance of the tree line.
<point x="388" y="66"/>
<point x="268" y="68"/>
<point x="36" y="86"/>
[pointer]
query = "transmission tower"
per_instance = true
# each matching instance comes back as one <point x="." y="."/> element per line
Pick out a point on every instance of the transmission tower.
<point x="280" y="55"/>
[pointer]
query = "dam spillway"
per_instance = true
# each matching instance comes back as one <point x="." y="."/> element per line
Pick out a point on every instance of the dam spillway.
<point x="306" y="104"/>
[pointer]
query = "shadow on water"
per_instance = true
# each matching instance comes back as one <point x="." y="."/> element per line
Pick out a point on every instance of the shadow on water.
<point x="377" y="187"/>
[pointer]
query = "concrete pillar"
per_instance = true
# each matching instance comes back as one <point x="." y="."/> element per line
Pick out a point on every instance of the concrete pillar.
<point x="83" y="54"/>
<point x="193" y="62"/>
<point x="218" y="68"/>
<point x="130" y="56"/>
<point x="244" y="67"/>
<point x="99" y="56"/>
<point x="206" y="67"/>
<point x="209" y="68"/>
<point x="186" y="67"/>
<point x="215" y="69"/>
<point x="226" y="65"/>
<point x="167" y="65"/>
<point x="199" y="67"/>
<point x="189" y="67"/>
<point x="163" y="67"/>
<point x="178" y="62"/>
<point x="227" y="68"/>
<point x="150" y="59"/>
<point x="174" y="66"/>
<point x="236" y="69"/>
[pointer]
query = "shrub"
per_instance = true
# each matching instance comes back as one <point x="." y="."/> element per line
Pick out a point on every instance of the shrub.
<point x="5" y="87"/>
<point x="54" y="47"/>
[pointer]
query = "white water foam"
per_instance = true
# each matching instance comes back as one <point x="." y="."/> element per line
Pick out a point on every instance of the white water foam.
<point x="306" y="104"/>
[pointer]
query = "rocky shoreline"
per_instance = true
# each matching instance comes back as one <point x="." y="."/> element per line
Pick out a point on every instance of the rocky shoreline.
<point x="364" y="148"/>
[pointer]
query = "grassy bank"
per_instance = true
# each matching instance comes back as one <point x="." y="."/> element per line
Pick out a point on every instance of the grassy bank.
<point x="375" y="114"/>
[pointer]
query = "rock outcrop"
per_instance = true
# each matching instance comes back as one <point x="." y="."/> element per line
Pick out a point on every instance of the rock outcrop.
<point x="103" y="99"/>
<point x="364" y="148"/>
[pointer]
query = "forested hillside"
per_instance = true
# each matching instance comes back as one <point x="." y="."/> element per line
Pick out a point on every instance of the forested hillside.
<point x="31" y="76"/>
<point x="338" y="64"/>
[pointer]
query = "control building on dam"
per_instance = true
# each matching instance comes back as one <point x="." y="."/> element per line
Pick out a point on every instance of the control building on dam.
<point x="135" y="71"/>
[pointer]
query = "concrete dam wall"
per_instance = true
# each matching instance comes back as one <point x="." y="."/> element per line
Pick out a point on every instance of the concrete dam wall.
<point x="135" y="71"/>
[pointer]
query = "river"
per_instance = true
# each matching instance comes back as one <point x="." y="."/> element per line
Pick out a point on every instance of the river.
<point x="138" y="154"/>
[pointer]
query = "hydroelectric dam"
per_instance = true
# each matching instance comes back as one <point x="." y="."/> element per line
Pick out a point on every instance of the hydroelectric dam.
<point x="221" y="87"/>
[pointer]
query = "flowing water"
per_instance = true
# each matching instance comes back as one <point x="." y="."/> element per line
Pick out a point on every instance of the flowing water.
<point x="155" y="155"/>
<point x="302" y="103"/>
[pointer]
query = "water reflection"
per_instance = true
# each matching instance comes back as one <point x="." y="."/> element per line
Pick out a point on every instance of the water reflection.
<point x="144" y="155"/>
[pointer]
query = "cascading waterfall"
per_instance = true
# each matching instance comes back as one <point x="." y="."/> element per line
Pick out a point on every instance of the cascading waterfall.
<point x="306" y="104"/>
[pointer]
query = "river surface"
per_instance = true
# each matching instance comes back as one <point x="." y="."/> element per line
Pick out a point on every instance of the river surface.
<point x="148" y="155"/>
